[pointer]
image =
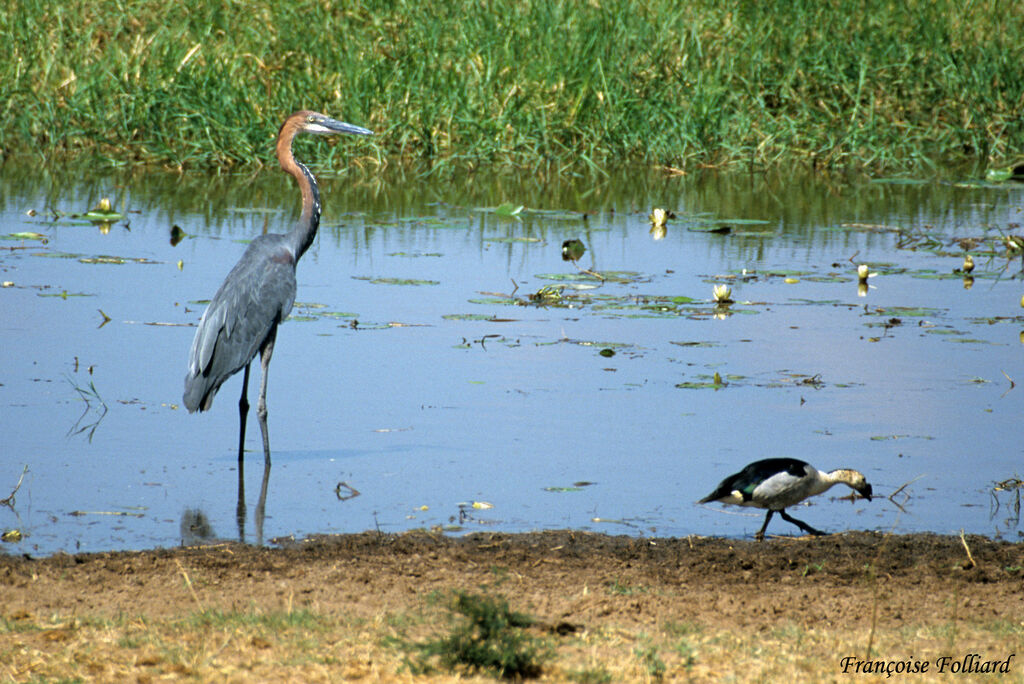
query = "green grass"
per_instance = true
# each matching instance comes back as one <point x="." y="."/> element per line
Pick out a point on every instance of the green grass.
<point x="206" y="83"/>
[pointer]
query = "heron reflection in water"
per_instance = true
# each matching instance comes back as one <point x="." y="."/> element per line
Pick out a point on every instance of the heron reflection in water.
<point x="259" y="292"/>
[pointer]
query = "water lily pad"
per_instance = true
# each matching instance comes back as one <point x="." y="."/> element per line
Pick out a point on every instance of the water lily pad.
<point x="557" y="214"/>
<point x="703" y="344"/>
<point x="506" y="209"/>
<point x="613" y="276"/>
<point x="931" y="274"/>
<point x="467" y="317"/>
<point x="512" y="239"/>
<point x="435" y="222"/>
<point x="102" y="217"/>
<point x="24" y="235"/>
<point x="58" y="255"/>
<point x="701" y="384"/>
<point x="503" y="301"/>
<point x="108" y="259"/>
<point x="256" y="210"/>
<point x="562" y="490"/>
<point x="830" y="278"/>
<point x="910" y="311"/>
<point x="899" y="180"/>
<point x="396" y="281"/>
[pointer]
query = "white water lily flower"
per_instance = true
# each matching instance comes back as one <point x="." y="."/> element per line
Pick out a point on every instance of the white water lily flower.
<point x="658" y="216"/>
<point x="722" y="293"/>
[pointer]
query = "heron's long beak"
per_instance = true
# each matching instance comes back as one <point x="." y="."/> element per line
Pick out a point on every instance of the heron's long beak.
<point x="328" y="125"/>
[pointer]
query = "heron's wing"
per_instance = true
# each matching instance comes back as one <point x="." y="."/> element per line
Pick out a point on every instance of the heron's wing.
<point x="256" y="295"/>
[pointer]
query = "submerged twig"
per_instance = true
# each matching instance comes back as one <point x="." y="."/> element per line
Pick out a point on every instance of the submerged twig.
<point x="906" y="496"/>
<point x="9" y="501"/>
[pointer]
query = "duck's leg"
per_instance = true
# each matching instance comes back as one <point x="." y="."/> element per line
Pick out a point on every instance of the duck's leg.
<point x="802" y="525"/>
<point x="760" y="533"/>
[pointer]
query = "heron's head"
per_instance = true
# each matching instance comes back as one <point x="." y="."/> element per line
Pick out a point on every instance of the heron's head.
<point x="321" y="124"/>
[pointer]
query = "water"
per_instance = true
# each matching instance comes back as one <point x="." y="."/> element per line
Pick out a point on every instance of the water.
<point x="425" y="407"/>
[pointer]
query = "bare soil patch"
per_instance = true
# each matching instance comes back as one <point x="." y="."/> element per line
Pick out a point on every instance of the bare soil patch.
<point x="612" y="608"/>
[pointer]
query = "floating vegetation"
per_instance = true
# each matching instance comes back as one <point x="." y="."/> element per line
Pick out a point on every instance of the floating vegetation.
<point x="64" y="294"/>
<point x="256" y="210"/>
<point x="900" y="180"/>
<point x="883" y="438"/>
<point x="25" y="235"/>
<point x="705" y="382"/>
<point x="502" y="301"/>
<point x="102" y="213"/>
<point x="470" y="317"/>
<point x="108" y="259"/>
<point x="557" y="215"/>
<point x="702" y="344"/>
<point x="992" y="320"/>
<point x="513" y="240"/>
<point x="434" y="222"/>
<point x="610" y="276"/>
<point x="907" y="311"/>
<point x="415" y="254"/>
<point x="396" y="281"/>
<point x="506" y="209"/>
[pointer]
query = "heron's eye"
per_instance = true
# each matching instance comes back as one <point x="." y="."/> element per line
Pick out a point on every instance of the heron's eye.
<point x="311" y="119"/>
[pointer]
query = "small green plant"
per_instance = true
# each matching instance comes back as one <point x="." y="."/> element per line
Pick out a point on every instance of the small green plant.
<point x="652" y="662"/>
<point x="812" y="568"/>
<point x="486" y="637"/>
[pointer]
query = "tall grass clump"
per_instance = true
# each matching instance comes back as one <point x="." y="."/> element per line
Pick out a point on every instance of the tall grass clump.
<point x="824" y="82"/>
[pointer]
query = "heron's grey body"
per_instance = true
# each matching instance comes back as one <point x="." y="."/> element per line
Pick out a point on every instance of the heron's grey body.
<point x="255" y="297"/>
<point x="258" y="293"/>
<point x="777" y="483"/>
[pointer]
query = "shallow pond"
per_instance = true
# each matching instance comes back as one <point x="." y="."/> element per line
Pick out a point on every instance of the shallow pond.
<point x="447" y="366"/>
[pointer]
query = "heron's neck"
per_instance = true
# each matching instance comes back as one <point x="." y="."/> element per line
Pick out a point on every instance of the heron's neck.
<point x="305" y="228"/>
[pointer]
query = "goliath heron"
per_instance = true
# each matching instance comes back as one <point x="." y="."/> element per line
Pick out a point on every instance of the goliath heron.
<point x="258" y="293"/>
<point x="776" y="483"/>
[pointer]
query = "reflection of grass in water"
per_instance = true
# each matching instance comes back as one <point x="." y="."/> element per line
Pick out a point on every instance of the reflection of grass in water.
<point x="89" y="395"/>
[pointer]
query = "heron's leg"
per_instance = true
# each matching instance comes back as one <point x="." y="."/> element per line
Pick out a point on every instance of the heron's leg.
<point x="802" y="525"/>
<point x="243" y="411"/>
<point x="261" y="504"/>
<point x="760" y="533"/>
<point x="266" y="351"/>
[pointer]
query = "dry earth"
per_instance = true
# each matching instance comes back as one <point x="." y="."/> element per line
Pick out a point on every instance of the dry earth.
<point x="611" y="608"/>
